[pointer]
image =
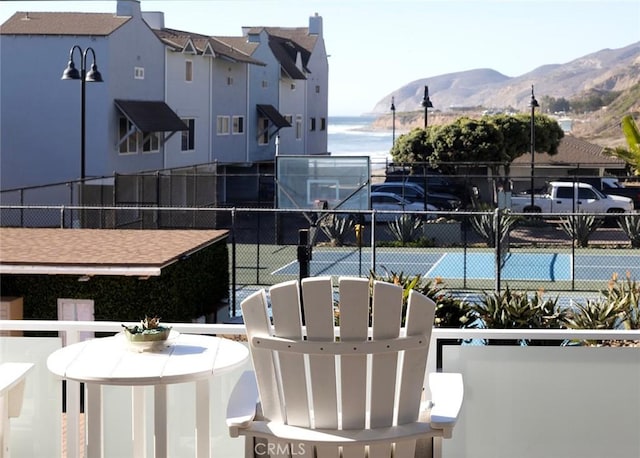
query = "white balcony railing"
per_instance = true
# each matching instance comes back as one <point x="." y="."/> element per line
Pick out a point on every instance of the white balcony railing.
<point x="519" y="401"/>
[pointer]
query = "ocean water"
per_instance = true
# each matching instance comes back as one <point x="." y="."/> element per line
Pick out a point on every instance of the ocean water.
<point x="352" y="136"/>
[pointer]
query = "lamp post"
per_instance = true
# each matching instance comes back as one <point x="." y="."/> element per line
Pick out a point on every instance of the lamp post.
<point x="533" y="104"/>
<point x="393" y="117"/>
<point x="426" y="103"/>
<point x="92" y="76"/>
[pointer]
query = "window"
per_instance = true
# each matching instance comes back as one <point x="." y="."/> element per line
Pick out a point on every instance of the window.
<point x="229" y="81"/>
<point x="188" y="136"/>
<point x="138" y="73"/>
<point x="136" y="141"/>
<point x="263" y="130"/>
<point x="188" y="70"/>
<point x="265" y="83"/>
<point x="130" y="145"/>
<point x="298" y="127"/>
<point x="238" y="124"/>
<point x="223" y="125"/>
<point x="312" y="124"/>
<point x="151" y="142"/>
<point x="317" y="89"/>
<point x="289" y="119"/>
<point x="565" y="192"/>
<point x="586" y="194"/>
<point x="293" y="86"/>
<point x="323" y="123"/>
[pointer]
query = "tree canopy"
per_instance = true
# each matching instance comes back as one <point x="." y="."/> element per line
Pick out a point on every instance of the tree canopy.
<point x="490" y="139"/>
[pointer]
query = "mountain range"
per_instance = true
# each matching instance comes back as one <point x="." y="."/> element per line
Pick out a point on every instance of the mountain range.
<point x="607" y="69"/>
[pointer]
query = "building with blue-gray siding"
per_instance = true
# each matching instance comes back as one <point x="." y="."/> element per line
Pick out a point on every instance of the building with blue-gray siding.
<point x="167" y="99"/>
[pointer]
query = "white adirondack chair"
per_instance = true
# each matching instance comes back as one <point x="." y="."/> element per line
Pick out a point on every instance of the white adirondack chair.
<point x="355" y="394"/>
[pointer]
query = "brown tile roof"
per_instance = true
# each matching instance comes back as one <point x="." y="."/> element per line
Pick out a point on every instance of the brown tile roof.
<point x="240" y="43"/>
<point x="32" y="23"/>
<point x="571" y="151"/>
<point x="104" y="248"/>
<point x="178" y="39"/>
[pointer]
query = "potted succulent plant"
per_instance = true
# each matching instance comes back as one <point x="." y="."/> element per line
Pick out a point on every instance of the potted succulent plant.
<point x="149" y="330"/>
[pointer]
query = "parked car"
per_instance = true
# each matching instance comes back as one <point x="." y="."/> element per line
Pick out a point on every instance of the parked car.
<point x="434" y="182"/>
<point x="566" y="197"/>
<point x="415" y="193"/>
<point x="385" y="202"/>
<point x="611" y="186"/>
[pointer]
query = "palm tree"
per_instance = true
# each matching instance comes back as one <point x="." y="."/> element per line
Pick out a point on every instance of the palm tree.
<point x="632" y="155"/>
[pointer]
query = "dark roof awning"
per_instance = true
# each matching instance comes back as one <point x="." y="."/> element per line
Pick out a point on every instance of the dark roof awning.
<point x="274" y="116"/>
<point x="151" y="116"/>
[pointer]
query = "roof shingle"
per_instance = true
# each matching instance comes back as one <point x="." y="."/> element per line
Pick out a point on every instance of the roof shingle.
<point x="100" y="247"/>
<point x="38" y="23"/>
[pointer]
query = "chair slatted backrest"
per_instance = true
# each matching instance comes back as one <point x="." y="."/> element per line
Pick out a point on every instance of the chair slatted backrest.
<point x="359" y="388"/>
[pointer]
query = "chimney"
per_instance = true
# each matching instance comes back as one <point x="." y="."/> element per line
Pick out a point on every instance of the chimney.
<point x="154" y="19"/>
<point x="315" y="25"/>
<point x="128" y="8"/>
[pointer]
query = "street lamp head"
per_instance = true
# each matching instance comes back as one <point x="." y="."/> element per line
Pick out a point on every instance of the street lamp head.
<point x="93" y="75"/>
<point x="426" y="102"/>
<point x="71" y="72"/>
<point x="393" y="105"/>
<point x="533" y="103"/>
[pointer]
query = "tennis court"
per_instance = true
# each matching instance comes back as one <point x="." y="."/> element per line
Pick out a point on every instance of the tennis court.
<point x="520" y="265"/>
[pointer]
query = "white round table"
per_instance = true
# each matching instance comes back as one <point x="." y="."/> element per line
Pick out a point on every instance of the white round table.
<point x="114" y="361"/>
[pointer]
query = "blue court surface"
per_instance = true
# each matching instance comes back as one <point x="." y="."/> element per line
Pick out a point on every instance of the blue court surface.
<point x="538" y="266"/>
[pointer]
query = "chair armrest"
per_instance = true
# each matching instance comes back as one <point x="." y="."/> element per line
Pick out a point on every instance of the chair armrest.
<point x="12" y="382"/>
<point x="241" y="409"/>
<point x="447" y="392"/>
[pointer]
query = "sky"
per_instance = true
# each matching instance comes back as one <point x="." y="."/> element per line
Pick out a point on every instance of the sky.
<point x="378" y="46"/>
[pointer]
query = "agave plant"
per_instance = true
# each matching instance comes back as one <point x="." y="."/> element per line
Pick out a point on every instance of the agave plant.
<point x="630" y="225"/>
<point x="336" y="228"/>
<point x="405" y="228"/>
<point x="595" y="314"/>
<point x="508" y="309"/>
<point x="580" y="227"/>
<point x="626" y="294"/>
<point x="451" y="312"/>
<point x="485" y="225"/>
<point x="617" y="308"/>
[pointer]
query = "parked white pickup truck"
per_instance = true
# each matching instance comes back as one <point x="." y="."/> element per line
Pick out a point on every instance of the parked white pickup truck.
<point x="567" y="197"/>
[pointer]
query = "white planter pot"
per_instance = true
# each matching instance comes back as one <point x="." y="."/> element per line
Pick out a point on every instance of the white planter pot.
<point x="449" y="233"/>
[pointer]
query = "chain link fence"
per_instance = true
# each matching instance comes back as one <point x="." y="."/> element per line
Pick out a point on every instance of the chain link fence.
<point x="466" y="251"/>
